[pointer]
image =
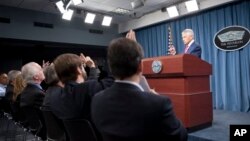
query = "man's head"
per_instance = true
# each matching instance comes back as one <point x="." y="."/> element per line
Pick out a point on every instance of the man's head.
<point x="51" y="77"/>
<point x="69" y="67"/>
<point x="12" y="75"/>
<point x="124" y="57"/>
<point x="187" y="36"/>
<point x="32" y="73"/>
<point x="4" y="79"/>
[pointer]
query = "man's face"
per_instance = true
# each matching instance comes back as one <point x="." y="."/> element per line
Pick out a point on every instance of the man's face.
<point x="186" y="38"/>
<point x="4" y="79"/>
<point x="40" y="75"/>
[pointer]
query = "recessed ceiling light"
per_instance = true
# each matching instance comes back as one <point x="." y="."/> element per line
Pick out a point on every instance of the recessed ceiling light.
<point x="68" y="14"/>
<point x="76" y="2"/>
<point x="172" y="11"/>
<point x="121" y="11"/>
<point x="191" y="5"/>
<point x="106" y="21"/>
<point x="90" y="17"/>
<point x="59" y="5"/>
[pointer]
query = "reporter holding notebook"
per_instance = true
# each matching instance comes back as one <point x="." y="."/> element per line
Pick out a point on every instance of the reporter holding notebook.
<point x="125" y="112"/>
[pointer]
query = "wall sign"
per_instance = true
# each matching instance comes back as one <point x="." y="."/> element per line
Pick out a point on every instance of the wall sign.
<point x="232" y="38"/>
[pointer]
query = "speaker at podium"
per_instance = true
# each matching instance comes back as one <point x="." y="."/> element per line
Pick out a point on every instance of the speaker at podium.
<point x="185" y="79"/>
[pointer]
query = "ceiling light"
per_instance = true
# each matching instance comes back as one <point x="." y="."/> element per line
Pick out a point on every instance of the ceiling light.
<point x="191" y="5"/>
<point x="137" y="4"/>
<point x="90" y="17"/>
<point x="172" y="11"/>
<point x="76" y="2"/>
<point x="106" y="21"/>
<point x="121" y="11"/>
<point x="68" y="14"/>
<point x="63" y="5"/>
<point x="59" y="5"/>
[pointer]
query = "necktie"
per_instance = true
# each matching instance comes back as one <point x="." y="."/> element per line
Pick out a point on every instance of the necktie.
<point x="186" y="48"/>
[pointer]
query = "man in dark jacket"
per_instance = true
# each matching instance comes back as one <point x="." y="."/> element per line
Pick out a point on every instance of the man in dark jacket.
<point x="32" y="98"/>
<point x="125" y="112"/>
<point x="74" y="101"/>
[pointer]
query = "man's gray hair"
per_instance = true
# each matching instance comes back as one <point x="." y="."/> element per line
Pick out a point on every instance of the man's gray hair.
<point x="189" y="32"/>
<point x="29" y="70"/>
<point x="51" y="77"/>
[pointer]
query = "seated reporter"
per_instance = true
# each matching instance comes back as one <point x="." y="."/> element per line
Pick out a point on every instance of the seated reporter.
<point x="125" y="112"/>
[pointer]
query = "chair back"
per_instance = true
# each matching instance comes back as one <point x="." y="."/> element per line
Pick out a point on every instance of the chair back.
<point x="32" y="117"/>
<point x="80" y="130"/>
<point x="54" y="126"/>
<point x="35" y="120"/>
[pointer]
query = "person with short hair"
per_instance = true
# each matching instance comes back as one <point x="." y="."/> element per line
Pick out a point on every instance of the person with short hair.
<point x="55" y="87"/>
<point x="74" y="101"/>
<point x="32" y="98"/>
<point x="33" y="93"/>
<point x="125" y="112"/>
<point x="4" y="103"/>
<point x="3" y="83"/>
<point x="191" y="47"/>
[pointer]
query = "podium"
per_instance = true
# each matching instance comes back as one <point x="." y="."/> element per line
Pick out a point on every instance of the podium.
<point x="185" y="80"/>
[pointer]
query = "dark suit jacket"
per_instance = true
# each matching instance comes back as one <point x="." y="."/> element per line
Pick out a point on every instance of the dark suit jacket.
<point x="9" y="92"/>
<point x="124" y="113"/>
<point x="195" y="49"/>
<point x="31" y="101"/>
<point x="74" y="100"/>
<point x="50" y="93"/>
<point x="32" y="96"/>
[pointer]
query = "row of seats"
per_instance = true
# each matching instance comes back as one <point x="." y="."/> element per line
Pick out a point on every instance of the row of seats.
<point x="38" y="121"/>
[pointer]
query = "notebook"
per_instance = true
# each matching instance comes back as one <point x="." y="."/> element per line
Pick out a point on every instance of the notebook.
<point x="144" y="83"/>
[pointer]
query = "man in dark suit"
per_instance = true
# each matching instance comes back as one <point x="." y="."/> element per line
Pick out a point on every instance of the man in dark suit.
<point x="32" y="98"/>
<point x="190" y="46"/>
<point x="33" y="93"/>
<point x="74" y="101"/>
<point x="125" y="112"/>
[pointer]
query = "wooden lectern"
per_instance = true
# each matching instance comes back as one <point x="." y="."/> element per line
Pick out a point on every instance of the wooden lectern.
<point x="185" y="79"/>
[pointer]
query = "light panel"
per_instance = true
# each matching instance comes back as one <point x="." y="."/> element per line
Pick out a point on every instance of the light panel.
<point x="137" y="3"/>
<point x="191" y="5"/>
<point x="90" y="17"/>
<point x="59" y="5"/>
<point x="68" y="14"/>
<point x="106" y="21"/>
<point x="76" y="2"/>
<point x="172" y="11"/>
<point x="121" y="11"/>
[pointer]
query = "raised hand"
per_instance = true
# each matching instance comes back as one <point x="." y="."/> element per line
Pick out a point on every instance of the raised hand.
<point x="131" y="35"/>
<point x="45" y="64"/>
<point x="89" y="62"/>
<point x="83" y="58"/>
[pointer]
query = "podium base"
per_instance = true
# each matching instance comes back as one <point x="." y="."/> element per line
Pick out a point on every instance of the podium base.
<point x="199" y="127"/>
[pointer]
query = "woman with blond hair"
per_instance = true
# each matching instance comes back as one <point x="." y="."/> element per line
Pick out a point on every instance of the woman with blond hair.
<point x="19" y="84"/>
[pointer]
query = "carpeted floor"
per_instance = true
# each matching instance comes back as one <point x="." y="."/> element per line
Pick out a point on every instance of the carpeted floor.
<point x="10" y="131"/>
<point x="219" y="131"/>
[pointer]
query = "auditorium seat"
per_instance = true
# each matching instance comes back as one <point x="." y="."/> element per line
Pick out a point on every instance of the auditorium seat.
<point x="80" y="130"/>
<point x="54" y="126"/>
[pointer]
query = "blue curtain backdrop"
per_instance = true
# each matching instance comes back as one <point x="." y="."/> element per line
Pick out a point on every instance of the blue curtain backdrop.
<point x="230" y="81"/>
